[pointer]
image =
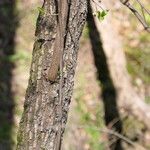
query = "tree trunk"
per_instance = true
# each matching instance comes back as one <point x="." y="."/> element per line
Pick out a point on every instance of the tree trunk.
<point x="127" y="99"/>
<point x="40" y="120"/>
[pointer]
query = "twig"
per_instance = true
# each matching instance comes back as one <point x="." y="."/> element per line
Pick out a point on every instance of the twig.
<point x="143" y="7"/>
<point x="98" y="4"/>
<point x="140" y="17"/>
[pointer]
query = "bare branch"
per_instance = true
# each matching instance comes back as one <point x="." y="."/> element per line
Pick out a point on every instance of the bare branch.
<point x="143" y="7"/>
<point x="108" y="131"/>
<point x="140" y="16"/>
<point x="97" y="4"/>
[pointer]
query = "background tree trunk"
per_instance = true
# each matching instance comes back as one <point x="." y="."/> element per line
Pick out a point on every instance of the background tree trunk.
<point x="39" y="123"/>
<point x="127" y="99"/>
<point x="109" y="93"/>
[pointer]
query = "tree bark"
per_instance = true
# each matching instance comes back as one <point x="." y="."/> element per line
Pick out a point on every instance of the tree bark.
<point x="39" y="124"/>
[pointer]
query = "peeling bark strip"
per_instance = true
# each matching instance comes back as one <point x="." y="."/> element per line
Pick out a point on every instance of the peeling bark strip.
<point x="62" y="8"/>
<point x="39" y="126"/>
<point x="61" y="30"/>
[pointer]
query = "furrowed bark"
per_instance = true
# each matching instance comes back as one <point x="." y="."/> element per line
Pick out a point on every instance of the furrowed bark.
<point x="40" y="120"/>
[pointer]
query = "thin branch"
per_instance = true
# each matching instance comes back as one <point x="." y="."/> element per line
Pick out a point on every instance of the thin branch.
<point x="109" y="131"/>
<point x="98" y="4"/>
<point x="143" y="7"/>
<point x="140" y="17"/>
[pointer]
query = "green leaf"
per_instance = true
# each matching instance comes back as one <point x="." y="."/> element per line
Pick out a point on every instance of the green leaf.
<point x="101" y="14"/>
<point x="41" y="10"/>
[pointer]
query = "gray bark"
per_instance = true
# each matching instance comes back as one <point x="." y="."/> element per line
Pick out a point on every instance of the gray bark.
<point x="39" y="124"/>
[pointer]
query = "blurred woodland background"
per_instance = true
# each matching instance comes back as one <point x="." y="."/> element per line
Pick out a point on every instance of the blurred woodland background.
<point x="112" y="77"/>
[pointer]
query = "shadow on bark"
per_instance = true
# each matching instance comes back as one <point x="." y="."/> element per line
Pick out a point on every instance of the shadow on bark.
<point x="8" y="25"/>
<point x="112" y="117"/>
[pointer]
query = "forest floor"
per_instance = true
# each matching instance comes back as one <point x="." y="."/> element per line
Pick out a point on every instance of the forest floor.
<point x="86" y="116"/>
